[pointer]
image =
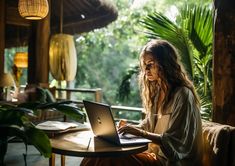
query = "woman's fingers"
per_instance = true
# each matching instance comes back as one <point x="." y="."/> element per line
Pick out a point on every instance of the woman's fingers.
<point x="128" y="129"/>
<point x="123" y="129"/>
<point x="122" y="123"/>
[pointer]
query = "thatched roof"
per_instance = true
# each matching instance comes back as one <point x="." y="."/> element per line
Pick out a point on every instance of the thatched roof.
<point x="78" y="16"/>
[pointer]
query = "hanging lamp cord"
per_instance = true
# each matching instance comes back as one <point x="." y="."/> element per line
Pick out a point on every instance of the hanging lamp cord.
<point x="61" y="16"/>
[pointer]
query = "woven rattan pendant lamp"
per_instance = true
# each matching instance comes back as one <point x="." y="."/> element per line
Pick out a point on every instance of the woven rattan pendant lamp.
<point x="33" y="9"/>
<point x="62" y="54"/>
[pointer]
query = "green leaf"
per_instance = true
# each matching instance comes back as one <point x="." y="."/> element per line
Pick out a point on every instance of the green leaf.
<point x="52" y="104"/>
<point x="13" y="116"/>
<point x="14" y="130"/>
<point x="29" y="105"/>
<point x="40" y="140"/>
<point x="70" y="110"/>
<point x="10" y="131"/>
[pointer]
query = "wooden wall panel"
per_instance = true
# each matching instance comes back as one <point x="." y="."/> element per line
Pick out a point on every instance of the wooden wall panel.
<point x="224" y="62"/>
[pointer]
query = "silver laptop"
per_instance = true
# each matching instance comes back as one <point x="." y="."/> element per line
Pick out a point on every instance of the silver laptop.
<point x="103" y="125"/>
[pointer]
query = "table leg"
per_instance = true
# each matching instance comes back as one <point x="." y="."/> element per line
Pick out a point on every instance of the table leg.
<point x="52" y="160"/>
<point x="62" y="160"/>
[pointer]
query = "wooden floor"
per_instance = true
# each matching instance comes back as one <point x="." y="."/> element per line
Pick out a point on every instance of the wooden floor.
<point x="15" y="157"/>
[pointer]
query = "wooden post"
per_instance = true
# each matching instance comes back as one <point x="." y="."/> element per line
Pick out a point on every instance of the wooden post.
<point x="52" y="160"/>
<point x="2" y="34"/>
<point x="62" y="160"/>
<point x="224" y="62"/>
<point x="98" y="95"/>
<point x="32" y="55"/>
<point x="38" y="69"/>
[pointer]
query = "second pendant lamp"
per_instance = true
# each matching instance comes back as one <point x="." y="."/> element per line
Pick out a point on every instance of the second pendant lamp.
<point x="62" y="54"/>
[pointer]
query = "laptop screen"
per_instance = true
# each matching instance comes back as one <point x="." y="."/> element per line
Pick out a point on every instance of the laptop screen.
<point x="103" y="125"/>
<point x="101" y="120"/>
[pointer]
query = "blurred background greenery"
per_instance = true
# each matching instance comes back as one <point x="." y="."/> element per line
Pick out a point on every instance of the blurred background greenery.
<point x="108" y="57"/>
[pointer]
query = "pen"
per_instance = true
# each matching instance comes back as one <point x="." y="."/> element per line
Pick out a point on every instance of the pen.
<point x="88" y="144"/>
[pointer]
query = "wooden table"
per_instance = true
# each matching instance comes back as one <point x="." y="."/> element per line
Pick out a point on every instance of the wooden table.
<point x="84" y="144"/>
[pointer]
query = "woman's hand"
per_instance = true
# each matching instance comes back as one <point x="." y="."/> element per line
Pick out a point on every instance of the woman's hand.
<point x="127" y="128"/>
<point x="121" y="123"/>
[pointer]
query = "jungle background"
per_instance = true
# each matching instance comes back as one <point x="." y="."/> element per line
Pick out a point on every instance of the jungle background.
<point x="108" y="57"/>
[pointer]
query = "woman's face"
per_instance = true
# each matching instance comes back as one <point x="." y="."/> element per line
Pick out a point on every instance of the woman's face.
<point x="150" y="68"/>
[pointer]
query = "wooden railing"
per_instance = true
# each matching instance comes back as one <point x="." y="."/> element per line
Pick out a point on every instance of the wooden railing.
<point x="117" y="111"/>
<point x="97" y="93"/>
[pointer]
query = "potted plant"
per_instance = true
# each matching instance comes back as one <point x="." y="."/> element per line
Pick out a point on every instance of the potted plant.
<point x="14" y="122"/>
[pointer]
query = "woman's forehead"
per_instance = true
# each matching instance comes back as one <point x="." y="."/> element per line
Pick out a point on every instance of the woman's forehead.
<point x="147" y="57"/>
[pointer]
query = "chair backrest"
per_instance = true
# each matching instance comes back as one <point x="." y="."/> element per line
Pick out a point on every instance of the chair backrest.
<point x="219" y="144"/>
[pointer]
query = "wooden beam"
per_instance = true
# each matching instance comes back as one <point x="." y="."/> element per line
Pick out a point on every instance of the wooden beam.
<point x="13" y="17"/>
<point x="224" y="63"/>
<point x="2" y="34"/>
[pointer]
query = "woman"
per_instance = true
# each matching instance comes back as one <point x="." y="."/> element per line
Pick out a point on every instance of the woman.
<point x="172" y="121"/>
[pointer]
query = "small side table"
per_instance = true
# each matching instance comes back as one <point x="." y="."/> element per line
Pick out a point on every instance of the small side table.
<point x="84" y="144"/>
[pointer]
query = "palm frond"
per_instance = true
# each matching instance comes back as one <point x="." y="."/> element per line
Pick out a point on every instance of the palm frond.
<point x="198" y="20"/>
<point x="159" y="26"/>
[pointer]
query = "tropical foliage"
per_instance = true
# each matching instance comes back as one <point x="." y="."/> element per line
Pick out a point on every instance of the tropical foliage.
<point x="191" y="34"/>
<point x="14" y="122"/>
<point x="106" y="55"/>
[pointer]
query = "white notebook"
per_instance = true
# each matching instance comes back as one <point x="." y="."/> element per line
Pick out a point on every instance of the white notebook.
<point x="60" y="126"/>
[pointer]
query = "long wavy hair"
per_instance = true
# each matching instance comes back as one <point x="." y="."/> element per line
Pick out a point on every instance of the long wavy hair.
<point x="171" y="73"/>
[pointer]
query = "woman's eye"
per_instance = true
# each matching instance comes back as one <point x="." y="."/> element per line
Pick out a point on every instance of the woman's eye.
<point x="149" y="66"/>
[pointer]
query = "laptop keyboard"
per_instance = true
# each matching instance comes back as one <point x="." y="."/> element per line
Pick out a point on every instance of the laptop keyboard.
<point x="128" y="136"/>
